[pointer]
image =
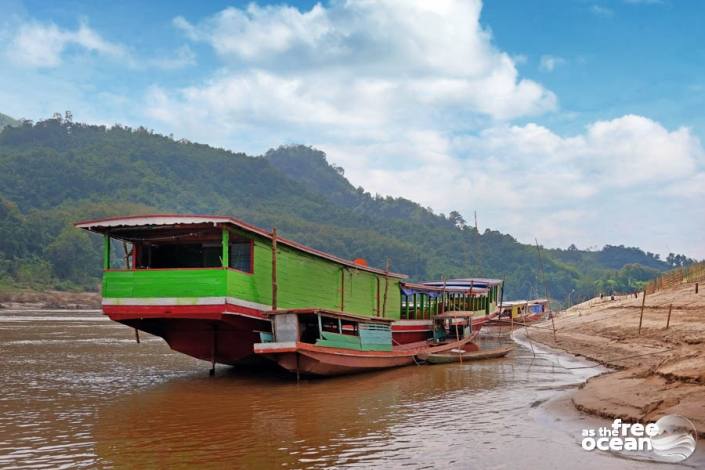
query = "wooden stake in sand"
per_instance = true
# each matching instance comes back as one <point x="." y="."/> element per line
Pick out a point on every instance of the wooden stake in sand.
<point x="543" y="278"/>
<point x="668" y="322"/>
<point x="641" y="316"/>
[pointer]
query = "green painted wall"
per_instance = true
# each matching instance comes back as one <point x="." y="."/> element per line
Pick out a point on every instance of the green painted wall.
<point x="303" y="281"/>
<point x="164" y="283"/>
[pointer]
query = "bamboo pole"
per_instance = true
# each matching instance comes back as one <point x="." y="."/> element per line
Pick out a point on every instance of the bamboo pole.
<point x="386" y="286"/>
<point x="378" y="288"/>
<point x="668" y="322"/>
<point x="213" y="345"/>
<point x="342" y="291"/>
<point x="499" y="314"/>
<point x="545" y="287"/>
<point x="274" y="269"/>
<point x="641" y="315"/>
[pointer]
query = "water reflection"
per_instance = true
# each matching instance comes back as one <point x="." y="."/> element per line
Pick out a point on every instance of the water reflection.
<point x="77" y="391"/>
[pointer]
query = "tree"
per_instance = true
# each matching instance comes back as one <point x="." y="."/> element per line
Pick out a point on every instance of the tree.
<point x="457" y="219"/>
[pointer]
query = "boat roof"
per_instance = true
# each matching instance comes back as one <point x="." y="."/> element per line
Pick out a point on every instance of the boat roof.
<point x="511" y="303"/>
<point x="410" y="288"/>
<point x="106" y="225"/>
<point x="332" y="313"/>
<point x="466" y="283"/>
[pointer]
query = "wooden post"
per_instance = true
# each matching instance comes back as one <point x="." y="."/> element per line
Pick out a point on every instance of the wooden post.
<point x="137" y="335"/>
<point x="342" y="290"/>
<point x="215" y="338"/>
<point x="106" y="251"/>
<point x="443" y="296"/>
<point x="386" y="287"/>
<point x="668" y="322"/>
<point x="407" y="306"/>
<point x="696" y="287"/>
<point x="274" y="269"/>
<point x="225" y="256"/>
<point x="545" y="287"/>
<point x="378" y="288"/>
<point x="641" y="316"/>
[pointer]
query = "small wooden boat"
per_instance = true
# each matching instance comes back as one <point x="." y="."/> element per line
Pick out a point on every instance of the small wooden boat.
<point x="461" y="355"/>
<point x="324" y="343"/>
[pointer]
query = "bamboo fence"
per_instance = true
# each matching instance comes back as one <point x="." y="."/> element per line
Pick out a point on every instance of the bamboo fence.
<point x="693" y="273"/>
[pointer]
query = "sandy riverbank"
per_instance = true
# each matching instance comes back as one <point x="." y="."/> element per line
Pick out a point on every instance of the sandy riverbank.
<point x="661" y="371"/>
<point x="25" y="299"/>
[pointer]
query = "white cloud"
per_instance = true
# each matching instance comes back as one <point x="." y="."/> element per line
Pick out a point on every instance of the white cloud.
<point x="42" y="45"/>
<point x="627" y="180"/>
<point x="414" y="100"/>
<point x="407" y="56"/>
<point x="548" y="63"/>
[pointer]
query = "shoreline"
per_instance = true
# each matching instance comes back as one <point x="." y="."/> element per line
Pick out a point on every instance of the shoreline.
<point x="28" y="299"/>
<point x="660" y="371"/>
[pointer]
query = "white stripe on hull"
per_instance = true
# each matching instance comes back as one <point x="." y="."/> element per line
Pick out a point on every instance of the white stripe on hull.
<point x="176" y="301"/>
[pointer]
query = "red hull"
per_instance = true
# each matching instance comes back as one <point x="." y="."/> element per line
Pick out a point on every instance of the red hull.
<point x="309" y="359"/>
<point x="413" y="331"/>
<point x="207" y="334"/>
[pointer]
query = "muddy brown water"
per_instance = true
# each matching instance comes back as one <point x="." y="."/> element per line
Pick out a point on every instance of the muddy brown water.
<point x="77" y="391"/>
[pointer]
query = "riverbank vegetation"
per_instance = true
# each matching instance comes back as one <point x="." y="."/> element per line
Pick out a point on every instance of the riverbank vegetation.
<point x="55" y="172"/>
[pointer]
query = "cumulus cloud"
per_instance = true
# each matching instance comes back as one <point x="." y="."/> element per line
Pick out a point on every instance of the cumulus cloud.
<point x="404" y="55"/>
<point x="413" y="99"/>
<point x="615" y="182"/>
<point x="41" y="45"/>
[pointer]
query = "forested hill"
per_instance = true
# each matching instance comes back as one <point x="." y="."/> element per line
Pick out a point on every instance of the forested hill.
<point x="6" y="120"/>
<point x="55" y="172"/>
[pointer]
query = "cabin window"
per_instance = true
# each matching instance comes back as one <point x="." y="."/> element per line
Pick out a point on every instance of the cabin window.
<point x="240" y="257"/>
<point x="180" y="255"/>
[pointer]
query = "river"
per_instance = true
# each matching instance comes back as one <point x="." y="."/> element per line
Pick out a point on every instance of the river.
<point x="78" y="391"/>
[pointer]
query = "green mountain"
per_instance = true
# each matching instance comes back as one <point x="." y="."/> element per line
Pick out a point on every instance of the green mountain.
<point x="55" y="172"/>
<point x="6" y="120"/>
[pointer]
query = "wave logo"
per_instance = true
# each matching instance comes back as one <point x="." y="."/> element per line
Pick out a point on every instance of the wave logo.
<point x="671" y="439"/>
<point x="675" y="439"/>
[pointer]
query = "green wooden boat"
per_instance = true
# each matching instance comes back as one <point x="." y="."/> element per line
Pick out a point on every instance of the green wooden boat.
<point x="462" y="355"/>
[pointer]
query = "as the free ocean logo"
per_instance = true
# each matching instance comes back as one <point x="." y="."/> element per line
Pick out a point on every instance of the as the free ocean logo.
<point x="670" y="439"/>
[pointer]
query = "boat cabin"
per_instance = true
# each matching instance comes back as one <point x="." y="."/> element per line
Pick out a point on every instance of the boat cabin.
<point x="523" y="308"/>
<point x="179" y="262"/>
<point x="427" y="299"/>
<point x="331" y="329"/>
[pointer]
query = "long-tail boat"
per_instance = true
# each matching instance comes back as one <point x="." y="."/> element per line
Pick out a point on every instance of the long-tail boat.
<point x="211" y="286"/>
<point x="323" y="343"/>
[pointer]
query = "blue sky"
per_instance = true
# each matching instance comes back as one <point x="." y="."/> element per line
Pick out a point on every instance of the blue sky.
<point x="571" y="121"/>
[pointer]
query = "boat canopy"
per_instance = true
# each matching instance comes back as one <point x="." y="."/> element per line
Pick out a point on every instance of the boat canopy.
<point x="512" y="303"/>
<point x="465" y="283"/>
<point x="432" y="291"/>
<point x="133" y="228"/>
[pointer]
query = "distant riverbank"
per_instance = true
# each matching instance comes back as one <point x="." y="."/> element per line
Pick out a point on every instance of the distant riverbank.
<point x="657" y="372"/>
<point x="26" y="299"/>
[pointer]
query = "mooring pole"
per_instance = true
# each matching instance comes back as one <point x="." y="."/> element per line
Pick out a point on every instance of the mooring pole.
<point x="641" y="315"/>
<point x="274" y="269"/>
<point x="668" y="322"/>
<point x="545" y="287"/>
<point x="386" y="286"/>
<point x="212" y="371"/>
<point x="137" y="335"/>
